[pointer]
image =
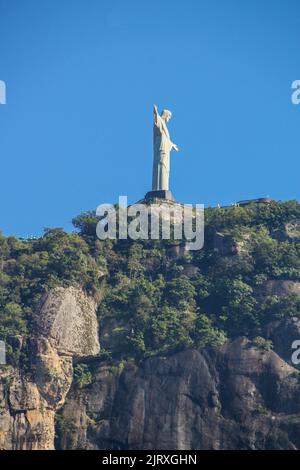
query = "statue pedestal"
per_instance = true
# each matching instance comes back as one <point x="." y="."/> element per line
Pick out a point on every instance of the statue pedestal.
<point x="161" y="194"/>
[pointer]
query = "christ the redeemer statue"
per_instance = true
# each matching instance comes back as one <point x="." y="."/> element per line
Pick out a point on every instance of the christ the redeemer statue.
<point x="162" y="146"/>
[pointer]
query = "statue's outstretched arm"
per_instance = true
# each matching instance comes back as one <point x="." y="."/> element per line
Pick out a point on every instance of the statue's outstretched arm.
<point x="157" y="118"/>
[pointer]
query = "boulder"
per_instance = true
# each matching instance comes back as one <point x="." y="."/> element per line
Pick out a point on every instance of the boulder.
<point x="67" y="318"/>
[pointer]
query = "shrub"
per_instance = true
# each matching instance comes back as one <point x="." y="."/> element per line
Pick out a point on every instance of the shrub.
<point x="263" y="343"/>
<point x="82" y="375"/>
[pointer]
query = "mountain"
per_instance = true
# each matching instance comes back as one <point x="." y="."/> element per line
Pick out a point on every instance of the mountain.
<point x="119" y="344"/>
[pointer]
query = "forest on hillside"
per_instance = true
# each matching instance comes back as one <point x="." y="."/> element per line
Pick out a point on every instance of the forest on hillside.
<point x="159" y="297"/>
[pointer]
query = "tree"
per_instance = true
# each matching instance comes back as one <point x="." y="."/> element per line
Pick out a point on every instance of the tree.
<point x="206" y="334"/>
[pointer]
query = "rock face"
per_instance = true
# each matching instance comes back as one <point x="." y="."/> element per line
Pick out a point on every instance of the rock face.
<point x="283" y="333"/>
<point x="235" y="397"/>
<point x="280" y="288"/>
<point x="67" y="318"/>
<point x="290" y="231"/>
<point x="239" y="397"/>
<point x="66" y="326"/>
<point x="227" y="245"/>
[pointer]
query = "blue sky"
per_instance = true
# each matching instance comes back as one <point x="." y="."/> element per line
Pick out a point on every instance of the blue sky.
<point x="82" y="77"/>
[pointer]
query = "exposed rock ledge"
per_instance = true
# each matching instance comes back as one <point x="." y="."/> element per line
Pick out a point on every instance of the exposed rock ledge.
<point x="66" y="326"/>
<point x="67" y="318"/>
<point x="280" y="287"/>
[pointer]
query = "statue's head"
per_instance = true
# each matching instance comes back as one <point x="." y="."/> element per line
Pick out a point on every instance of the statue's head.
<point x="166" y="115"/>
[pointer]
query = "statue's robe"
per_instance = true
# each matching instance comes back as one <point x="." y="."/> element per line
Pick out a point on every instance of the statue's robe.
<point x="161" y="154"/>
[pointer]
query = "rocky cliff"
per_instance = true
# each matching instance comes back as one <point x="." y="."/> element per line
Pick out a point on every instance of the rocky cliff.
<point x="145" y="345"/>
<point x="65" y="326"/>
<point x="236" y="396"/>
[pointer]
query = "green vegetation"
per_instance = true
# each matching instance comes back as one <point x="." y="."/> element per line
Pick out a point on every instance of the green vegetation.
<point x="263" y="343"/>
<point x="82" y="375"/>
<point x="153" y="302"/>
<point x="29" y="268"/>
<point x="63" y="425"/>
